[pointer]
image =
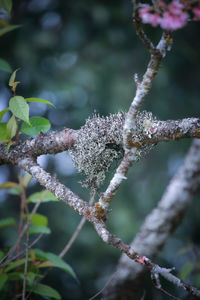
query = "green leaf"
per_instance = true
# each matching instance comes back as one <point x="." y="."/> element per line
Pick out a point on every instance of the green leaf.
<point x="44" y="290"/>
<point x="37" y="124"/>
<point x="54" y="260"/>
<point x="3" y="132"/>
<point x="6" y="5"/>
<point x="4" y="66"/>
<point x="186" y="271"/>
<point x="7" y="222"/>
<point x="34" y="229"/>
<point x="8" y="146"/>
<point x="1" y="254"/>
<point x="3" y="279"/>
<point x="13" y="265"/>
<point x="8" y="28"/>
<point x="44" y="196"/>
<point x="12" y="78"/>
<point x="39" y="100"/>
<point x="15" y="190"/>
<point x="8" y="184"/>
<point x="30" y="276"/>
<point x="15" y="276"/>
<point x="12" y="127"/>
<point x="19" y="108"/>
<point x="26" y="179"/>
<point x="3" y="112"/>
<point x="39" y="220"/>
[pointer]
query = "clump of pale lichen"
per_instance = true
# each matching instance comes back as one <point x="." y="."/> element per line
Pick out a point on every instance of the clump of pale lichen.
<point x="99" y="142"/>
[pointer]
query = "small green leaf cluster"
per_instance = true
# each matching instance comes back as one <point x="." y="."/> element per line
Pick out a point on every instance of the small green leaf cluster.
<point x="12" y="270"/>
<point x="19" y="109"/>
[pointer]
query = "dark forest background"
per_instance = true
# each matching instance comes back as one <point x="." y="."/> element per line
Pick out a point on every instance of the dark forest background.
<point x="82" y="56"/>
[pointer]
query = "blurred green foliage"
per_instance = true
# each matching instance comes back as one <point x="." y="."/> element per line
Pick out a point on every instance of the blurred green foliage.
<point x="81" y="56"/>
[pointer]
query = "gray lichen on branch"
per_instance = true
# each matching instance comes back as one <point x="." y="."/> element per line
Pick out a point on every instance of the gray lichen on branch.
<point x="100" y="142"/>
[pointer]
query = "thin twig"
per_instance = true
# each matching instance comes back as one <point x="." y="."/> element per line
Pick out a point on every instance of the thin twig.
<point x="168" y="294"/>
<point x="101" y="291"/>
<point x="25" y="267"/>
<point x="139" y="31"/>
<point x="23" y="231"/>
<point x="77" y="231"/>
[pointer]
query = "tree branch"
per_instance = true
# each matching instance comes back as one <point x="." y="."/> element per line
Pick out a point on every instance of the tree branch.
<point x="92" y="213"/>
<point x="159" y="224"/>
<point x="57" y="188"/>
<point x="164" y="131"/>
<point x="59" y="141"/>
<point x="49" y="143"/>
<point x="130" y="126"/>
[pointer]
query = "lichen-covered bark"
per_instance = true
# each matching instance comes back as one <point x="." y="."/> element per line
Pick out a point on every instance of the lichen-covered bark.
<point x="57" y="188"/>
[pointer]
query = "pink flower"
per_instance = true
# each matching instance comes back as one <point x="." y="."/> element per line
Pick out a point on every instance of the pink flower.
<point x="196" y="12"/>
<point x="148" y="17"/>
<point x="145" y="14"/>
<point x="175" y="7"/>
<point x="173" y="22"/>
<point x="155" y="19"/>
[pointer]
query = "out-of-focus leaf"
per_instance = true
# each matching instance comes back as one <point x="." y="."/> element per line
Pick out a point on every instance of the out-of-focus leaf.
<point x="13" y="265"/>
<point x="186" y="271"/>
<point x="44" y="290"/>
<point x="8" y="146"/>
<point x="12" y="127"/>
<point x="26" y="179"/>
<point x="4" y="66"/>
<point x="53" y="260"/>
<point x="8" y="28"/>
<point x="15" y="276"/>
<point x="7" y="222"/>
<point x="39" y="220"/>
<point x="34" y="229"/>
<point x="6" y="5"/>
<point x="3" y="112"/>
<point x="3" y="23"/>
<point x="3" y="132"/>
<point x="8" y="184"/>
<point x="36" y="125"/>
<point x="44" y="196"/>
<point x="39" y="100"/>
<point x="1" y="254"/>
<point x="30" y="276"/>
<point x="3" y="279"/>
<point x="15" y="190"/>
<point x="19" y="108"/>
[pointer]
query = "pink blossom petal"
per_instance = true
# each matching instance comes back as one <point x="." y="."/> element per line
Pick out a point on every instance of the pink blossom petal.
<point x="196" y="12"/>
<point x="145" y="14"/>
<point x="175" y="7"/>
<point x="149" y="18"/>
<point x="155" y="19"/>
<point x="173" y="22"/>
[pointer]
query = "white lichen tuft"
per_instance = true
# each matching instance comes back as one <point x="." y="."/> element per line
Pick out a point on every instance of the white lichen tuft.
<point x="99" y="142"/>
